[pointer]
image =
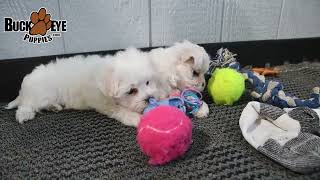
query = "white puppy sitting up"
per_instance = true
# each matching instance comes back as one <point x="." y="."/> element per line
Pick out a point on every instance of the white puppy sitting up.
<point x="118" y="86"/>
<point x="182" y="65"/>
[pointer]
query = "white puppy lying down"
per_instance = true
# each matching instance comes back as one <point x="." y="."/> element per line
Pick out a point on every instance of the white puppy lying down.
<point x="117" y="86"/>
<point x="182" y="65"/>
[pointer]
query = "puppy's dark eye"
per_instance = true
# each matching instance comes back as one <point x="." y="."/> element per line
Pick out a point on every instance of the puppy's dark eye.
<point x="133" y="91"/>
<point x="195" y="73"/>
<point x="147" y="83"/>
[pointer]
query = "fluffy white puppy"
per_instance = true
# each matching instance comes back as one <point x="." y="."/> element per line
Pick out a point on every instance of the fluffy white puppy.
<point x="182" y="65"/>
<point x="118" y="86"/>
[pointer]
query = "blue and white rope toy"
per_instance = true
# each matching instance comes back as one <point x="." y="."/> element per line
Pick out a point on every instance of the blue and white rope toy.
<point x="268" y="91"/>
<point x="189" y="101"/>
<point x="192" y="100"/>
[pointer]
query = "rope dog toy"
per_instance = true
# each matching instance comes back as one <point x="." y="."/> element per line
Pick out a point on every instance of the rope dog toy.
<point x="189" y="101"/>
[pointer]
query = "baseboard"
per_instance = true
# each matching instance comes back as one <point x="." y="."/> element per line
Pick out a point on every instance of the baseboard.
<point x="256" y="53"/>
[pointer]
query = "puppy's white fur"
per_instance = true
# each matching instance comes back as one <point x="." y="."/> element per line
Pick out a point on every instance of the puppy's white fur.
<point x="182" y="65"/>
<point x="117" y="86"/>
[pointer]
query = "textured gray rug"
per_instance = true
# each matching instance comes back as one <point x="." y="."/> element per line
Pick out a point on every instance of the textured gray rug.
<point x="79" y="145"/>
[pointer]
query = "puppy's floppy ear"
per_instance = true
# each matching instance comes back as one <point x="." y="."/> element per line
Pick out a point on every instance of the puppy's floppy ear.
<point x="190" y="60"/>
<point x="186" y="57"/>
<point x="108" y="83"/>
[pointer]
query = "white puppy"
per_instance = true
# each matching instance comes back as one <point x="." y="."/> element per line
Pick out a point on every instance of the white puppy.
<point x="118" y="86"/>
<point x="182" y="65"/>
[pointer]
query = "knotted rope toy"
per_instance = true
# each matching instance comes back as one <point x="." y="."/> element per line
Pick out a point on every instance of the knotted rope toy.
<point x="269" y="91"/>
<point x="189" y="101"/>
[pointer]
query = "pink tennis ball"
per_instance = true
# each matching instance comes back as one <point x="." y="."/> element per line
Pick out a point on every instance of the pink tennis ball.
<point x="164" y="134"/>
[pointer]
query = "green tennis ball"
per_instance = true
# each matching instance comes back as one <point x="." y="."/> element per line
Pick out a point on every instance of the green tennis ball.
<point x="226" y="86"/>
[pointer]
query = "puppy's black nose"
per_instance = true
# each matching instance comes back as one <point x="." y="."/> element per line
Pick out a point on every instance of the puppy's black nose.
<point x="147" y="99"/>
<point x="203" y="84"/>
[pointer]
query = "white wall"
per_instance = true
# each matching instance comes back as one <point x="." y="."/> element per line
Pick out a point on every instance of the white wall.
<point x="94" y="25"/>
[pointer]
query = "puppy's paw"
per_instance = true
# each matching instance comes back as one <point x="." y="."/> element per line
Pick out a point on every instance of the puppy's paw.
<point x="203" y="111"/>
<point x="24" y="114"/>
<point x="133" y="119"/>
<point x="55" y="108"/>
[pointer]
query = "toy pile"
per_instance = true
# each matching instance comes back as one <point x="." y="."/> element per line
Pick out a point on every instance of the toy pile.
<point x="280" y="134"/>
<point x="165" y="130"/>
<point x="268" y="91"/>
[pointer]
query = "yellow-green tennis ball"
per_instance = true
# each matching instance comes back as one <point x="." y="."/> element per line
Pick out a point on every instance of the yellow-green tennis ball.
<point x="226" y="86"/>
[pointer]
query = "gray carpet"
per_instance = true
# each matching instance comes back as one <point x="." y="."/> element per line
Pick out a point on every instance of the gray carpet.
<point x="85" y="144"/>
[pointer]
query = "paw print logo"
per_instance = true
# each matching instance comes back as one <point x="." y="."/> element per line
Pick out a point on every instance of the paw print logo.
<point x="41" y="22"/>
